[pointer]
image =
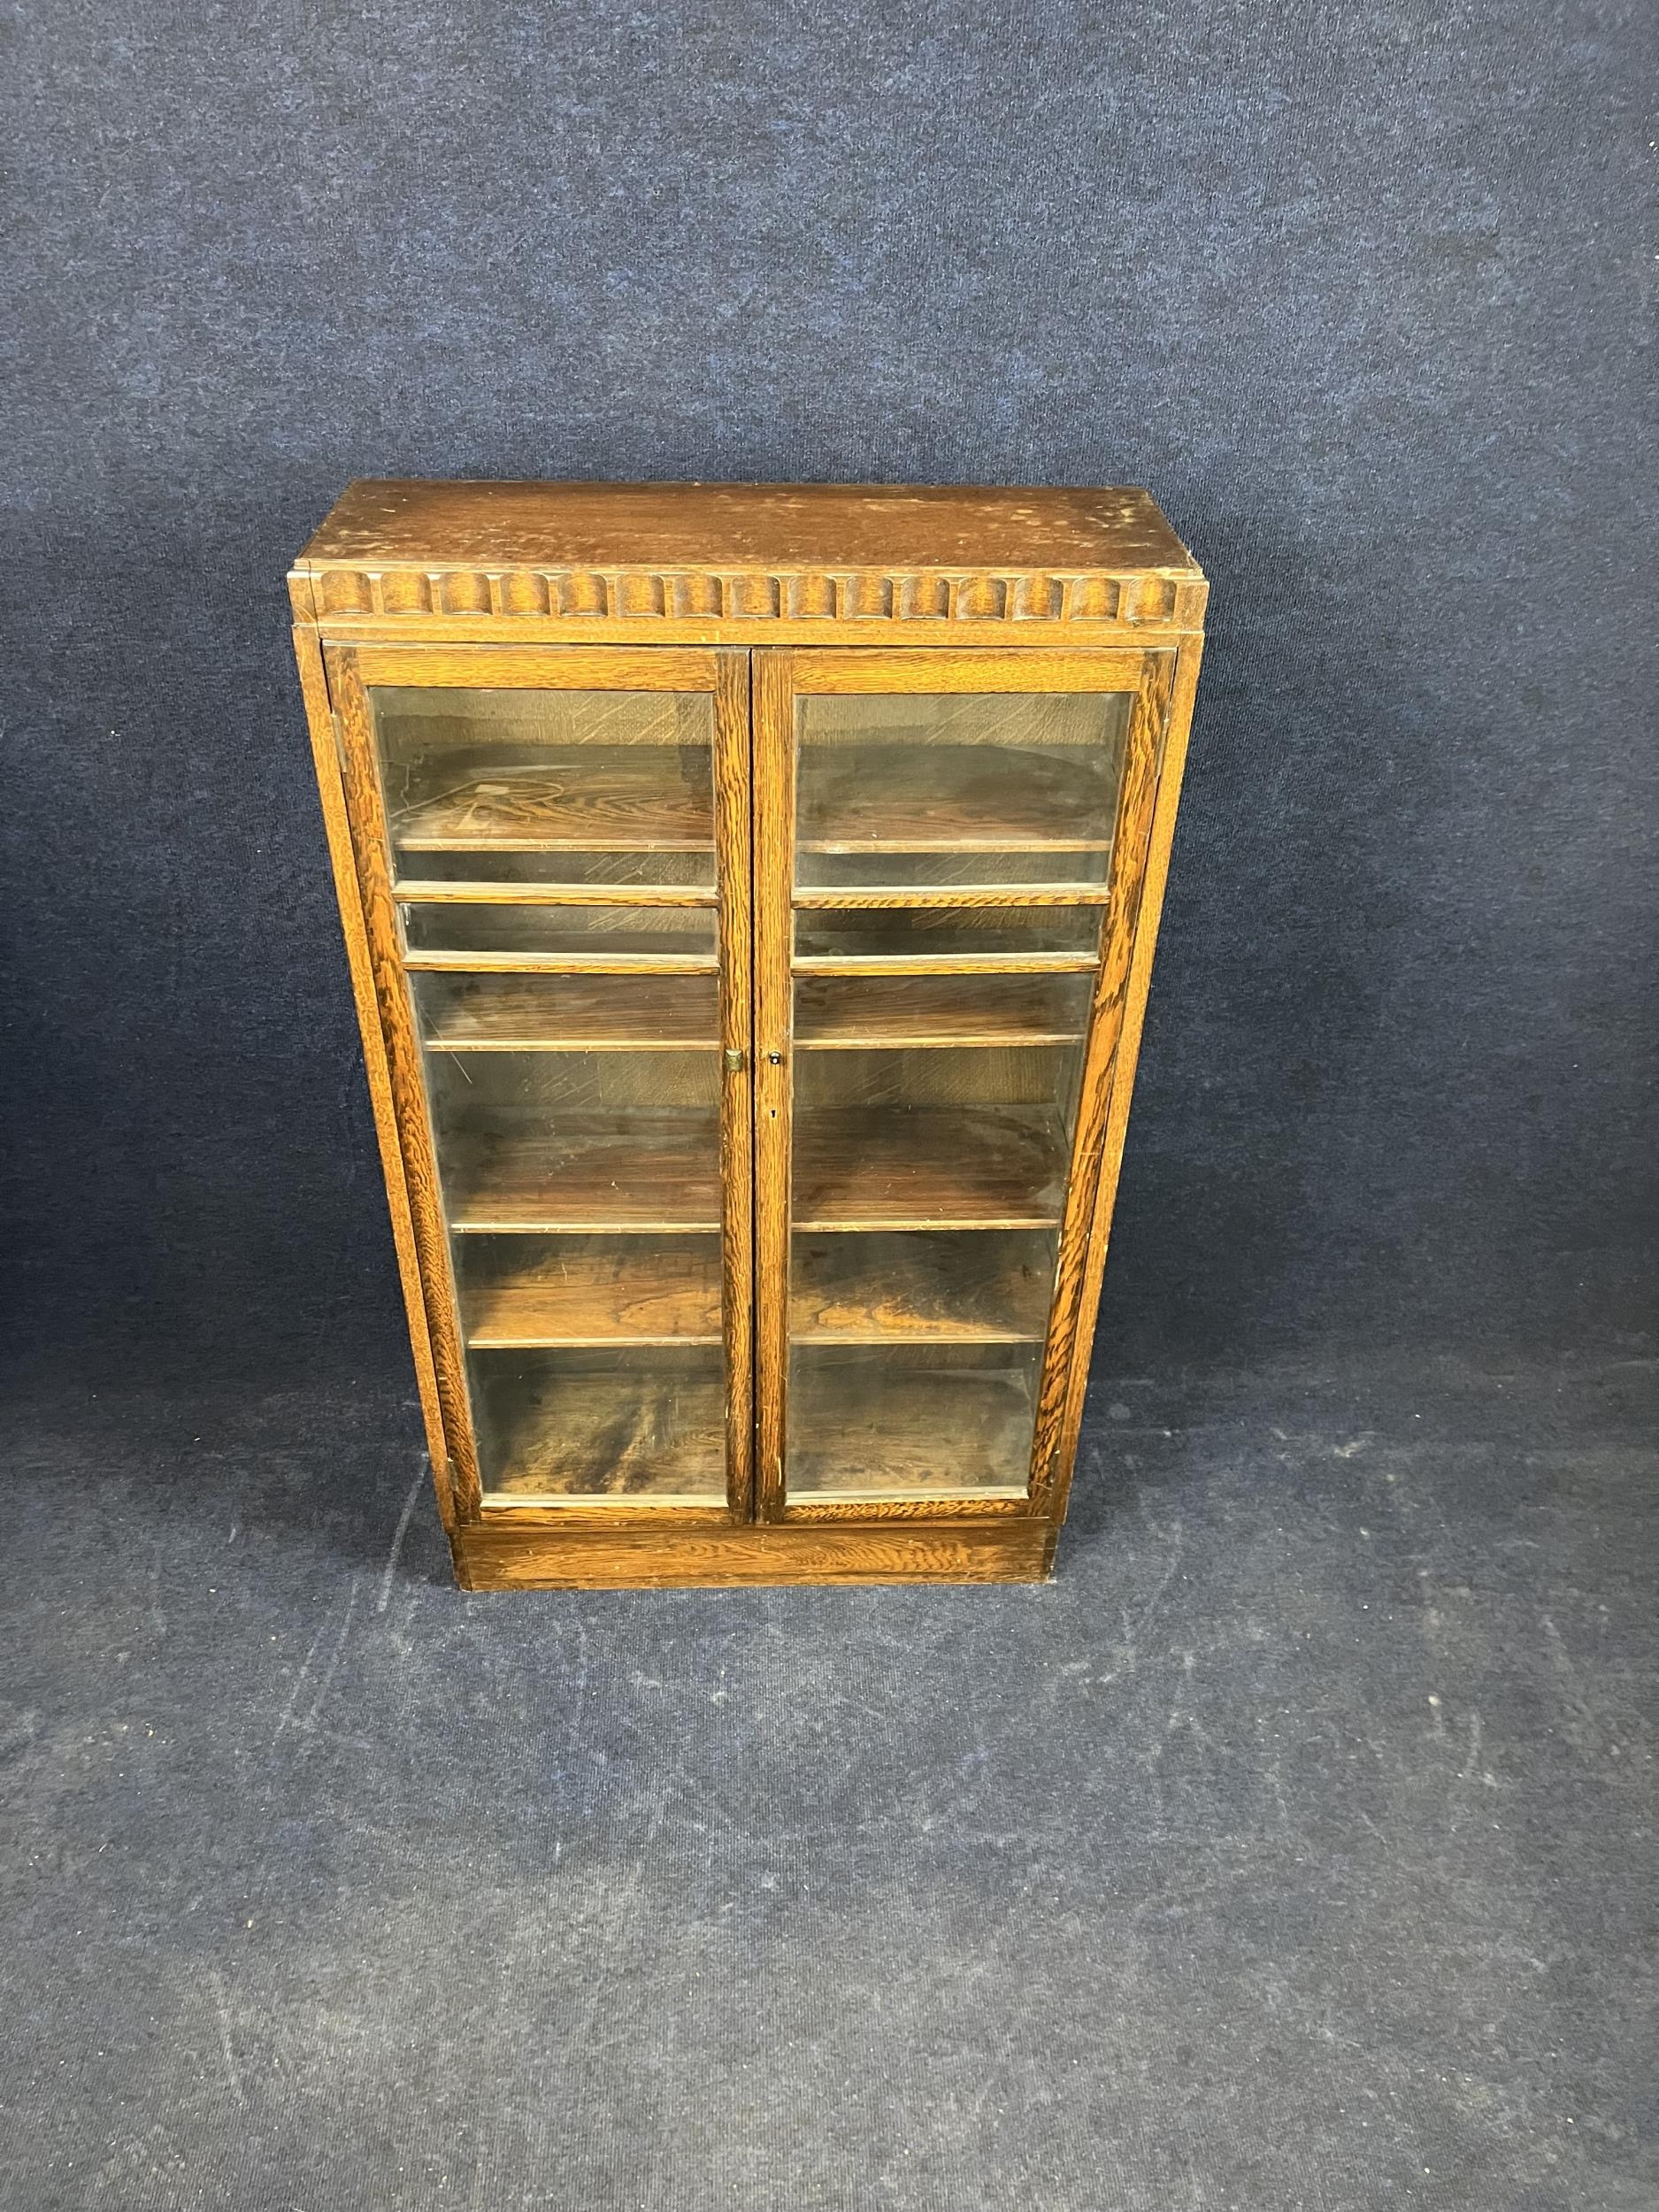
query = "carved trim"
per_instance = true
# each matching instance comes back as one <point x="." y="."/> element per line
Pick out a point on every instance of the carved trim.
<point x="1016" y="596"/>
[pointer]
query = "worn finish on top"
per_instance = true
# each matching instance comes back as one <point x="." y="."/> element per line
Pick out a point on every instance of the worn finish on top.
<point x="407" y="523"/>
<point x="746" y="553"/>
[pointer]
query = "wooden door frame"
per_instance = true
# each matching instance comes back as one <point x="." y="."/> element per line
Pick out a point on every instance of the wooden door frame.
<point x="1160" y="681"/>
<point x="336" y="677"/>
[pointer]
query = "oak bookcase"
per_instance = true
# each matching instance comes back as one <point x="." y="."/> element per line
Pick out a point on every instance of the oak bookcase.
<point x="749" y="892"/>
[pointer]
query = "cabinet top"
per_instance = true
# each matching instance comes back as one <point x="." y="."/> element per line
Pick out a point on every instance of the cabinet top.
<point x="743" y="553"/>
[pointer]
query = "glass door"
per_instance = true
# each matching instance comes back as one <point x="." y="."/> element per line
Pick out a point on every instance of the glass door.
<point x="553" y="848"/>
<point x="948" y="858"/>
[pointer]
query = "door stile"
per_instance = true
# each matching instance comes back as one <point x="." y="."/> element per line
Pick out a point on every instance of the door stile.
<point x="734" y="881"/>
<point x="371" y="849"/>
<point x="772" y="692"/>
<point x="1137" y="802"/>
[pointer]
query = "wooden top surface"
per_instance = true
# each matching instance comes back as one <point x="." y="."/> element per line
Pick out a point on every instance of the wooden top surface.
<point x="748" y="526"/>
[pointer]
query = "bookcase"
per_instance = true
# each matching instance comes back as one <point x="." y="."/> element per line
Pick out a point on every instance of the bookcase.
<point x="749" y="892"/>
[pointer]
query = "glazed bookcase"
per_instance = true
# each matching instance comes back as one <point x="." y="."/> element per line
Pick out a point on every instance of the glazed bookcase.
<point x="749" y="892"/>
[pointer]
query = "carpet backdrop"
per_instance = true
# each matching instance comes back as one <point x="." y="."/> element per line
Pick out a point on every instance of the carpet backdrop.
<point x="1364" y="299"/>
<point x="1292" y="1851"/>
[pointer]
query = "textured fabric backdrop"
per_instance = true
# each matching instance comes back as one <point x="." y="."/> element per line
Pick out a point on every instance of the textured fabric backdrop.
<point x="1363" y="301"/>
<point x="1286" y="1856"/>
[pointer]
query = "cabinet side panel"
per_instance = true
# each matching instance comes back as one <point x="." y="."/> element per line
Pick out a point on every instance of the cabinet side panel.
<point x="1158" y="868"/>
<point x="1131" y="841"/>
<point x="366" y="814"/>
<point x="734" y="869"/>
<point x="314" y="686"/>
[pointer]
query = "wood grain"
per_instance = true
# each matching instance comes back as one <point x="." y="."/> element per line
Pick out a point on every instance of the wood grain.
<point x="898" y="798"/>
<point x="550" y="1013"/>
<point x="337" y="826"/>
<point x="1056" y="1485"/>
<point x="586" y="1425"/>
<point x="902" y="558"/>
<point x="733" y="785"/>
<point x="638" y="1290"/>
<point x="988" y="1167"/>
<point x="456" y="891"/>
<point x="959" y="1288"/>
<point x="365" y="811"/>
<point x="439" y="961"/>
<point x="846" y="1012"/>
<point x="773" y="722"/>
<point x="589" y="1172"/>
<point x="591" y="798"/>
<point x="869" y="1428"/>
<point x="492" y="1557"/>
<point x="850" y="897"/>
<point x="611" y="1352"/>
<point x="1137" y="802"/>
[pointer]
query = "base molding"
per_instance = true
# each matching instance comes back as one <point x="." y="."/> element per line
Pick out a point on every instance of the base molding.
<point x="516" y="1558"/>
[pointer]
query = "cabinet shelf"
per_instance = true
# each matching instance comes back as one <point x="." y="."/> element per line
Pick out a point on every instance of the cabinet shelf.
<point x="650" y="1294"/>
<point x="602" y="798"/>
<point x="454" y="963"/>
<point x="589" y="1172"/>
<point x="989" y="1167"/>
<point x="590" y="1427"/>
<point x="887" y="798"/>
<point x="522" y="1013"/>
<point x="847" y="1012"/>
<point x="962" y="1286"/>
<point x="879" y="1430"/>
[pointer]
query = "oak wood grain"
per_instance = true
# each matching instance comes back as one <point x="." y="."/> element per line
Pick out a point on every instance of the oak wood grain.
<point x="504" y="588"/>
<point x="1003" y="1548"/>
<point x="929" y="1013"/>
<point x="587" y="1425"/>
<point x="958" y="1287"/>
<point x="989" y="1167"/>
<point x="365" y="811"/>
<point x="564" y="1013"/>
<point x="1055" y="1488"/>
<point x="458" y="891"/>
<point x="887" y="1428"/>
<point x="898" y="798"/>
<point x="772" y="723"/>
<point x="1137" y="801"/>
<point x="588" y="1171"/>
<point x="733" y="785"/>
<point x="337" y="826"/>
<point x="590" y="798"/>
<point x="636" y="1290"/>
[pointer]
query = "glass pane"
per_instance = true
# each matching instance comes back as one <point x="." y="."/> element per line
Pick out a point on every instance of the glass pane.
<point x="872" y="1421"/>
<point x="940" y="871"/>
<point x="563" y="1013"/>
<point x="642" y="869"/>
<point x="838" y="1013"/>
<point x="546" y="772"/>
<point x="575" y="1114"/>
<point x="684" y="934"/>
<point x="609" y="1424"/>
<point x="1029" y="777"/>
<point x="927" y="1186"/>
<point x="978" y="934"/>
<point x="938" y="1053"/>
